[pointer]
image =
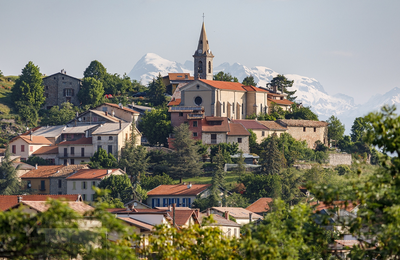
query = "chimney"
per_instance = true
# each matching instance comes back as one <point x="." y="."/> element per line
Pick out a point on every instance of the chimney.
<point x="30" y="133"/>
<point x="113" y="113"/>
<point x="35" y="166"/>
<point x="19" y="199"/>
<point x="227" y="215"/>
<point x="87" y="134"/>
<point x="106" y="113"/>
<point x="250" y="217"/>
<point x="120" y="124"/>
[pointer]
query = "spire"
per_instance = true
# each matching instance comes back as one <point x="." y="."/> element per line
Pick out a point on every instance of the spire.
<point x="203" y="47"/>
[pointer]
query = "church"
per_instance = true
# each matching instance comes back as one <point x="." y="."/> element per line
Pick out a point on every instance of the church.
<point x="221" y="98"/>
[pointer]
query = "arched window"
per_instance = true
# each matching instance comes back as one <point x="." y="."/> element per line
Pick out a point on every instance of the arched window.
<point x="261" y="108"/>
<point x="200" y="68"/>
<point x="242" y="108"/>
<point x="209" y="67"/>
<point x="233" y="107"/>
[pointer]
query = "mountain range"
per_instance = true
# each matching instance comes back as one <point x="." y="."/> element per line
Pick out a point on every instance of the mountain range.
<point x="310" y="92"/>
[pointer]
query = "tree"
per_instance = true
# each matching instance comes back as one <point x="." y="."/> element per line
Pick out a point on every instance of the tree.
<point x="95" y="70"/>
<point x="56" y="116"/>
<point x="91" y="93"/>
<point x="120" y="187"/>
<point x="254" y="147"/>
<point x="303" y="113"/>
<point x="102" y="160"/>
<point x="134" y="158"/>
<point x="156" y="92"/>
<point x="1" y="74"/>
<point x="335" y="129"/>
<point x="186" y="159"/>
<point x="290" y="180"/>
<point x="270" y="158"/>
<point x="249" y="81"/>
<point x="282" y="83"/>
<point x="237" y="200"/>
<point x="28" y="88"/>
<point x="9" y="182"/>
<point x="221" y="76"/>
<point x="358" y="129"/>
<point x="257" y="186"/>
<point x="33" y="160"/>
<point x="227" y="149"/>
<point x="156" y="126"/>
<point x="150" y="182"/>
<point x="28" y="114"/>
<point x="240" y="168"/>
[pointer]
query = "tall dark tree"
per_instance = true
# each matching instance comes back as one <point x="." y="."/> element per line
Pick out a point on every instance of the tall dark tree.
<point x="358" y="129"/>
<point x="249" y="81"/>
<point x="271" y="158"/>
<point x="335" y="129"/>
<point x="102" y="160"/>
<point x="222" y="76"/>
<point x="28" y="88"/>
<point x="91" y="93"/>
<point x="290" y="180"/>
<point x="120" y="187"/>
<point x="156" y="126"/>
<point x="240" y="169"/>
<point x="282" y="83"/>
<point x="56" y="116"/>
<point x="303" y="113"/>
<point x="156" y="92"/>
<point x="9" y="183"/>
<point x="95" y="70"/>
<point x="186" y="159"/>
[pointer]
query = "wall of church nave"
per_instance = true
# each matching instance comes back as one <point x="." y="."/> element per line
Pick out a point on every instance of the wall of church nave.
<point x="243" y="145"/>
<point x="236" y="99"/>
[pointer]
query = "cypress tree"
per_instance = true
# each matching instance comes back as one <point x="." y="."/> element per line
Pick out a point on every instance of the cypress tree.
<point x="271" y="157"/>
<point x="156" y="92"/>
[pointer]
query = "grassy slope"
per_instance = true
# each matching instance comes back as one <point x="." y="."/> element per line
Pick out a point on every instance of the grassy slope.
<point x="230" y="180"/>
<point x="5" y="96"/>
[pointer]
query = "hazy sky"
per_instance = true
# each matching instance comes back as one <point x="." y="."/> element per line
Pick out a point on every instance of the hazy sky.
<point x="351" y="47"/>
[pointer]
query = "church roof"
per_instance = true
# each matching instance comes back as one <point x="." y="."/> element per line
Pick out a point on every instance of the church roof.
<point x="231" y="86"/>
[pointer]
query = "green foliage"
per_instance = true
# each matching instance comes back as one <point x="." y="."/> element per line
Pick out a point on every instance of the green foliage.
<point x="28" y="114"/>
<point x="343" y="169"/>
<point x="151" y="182"/>
<point x="9" y="182"/>
<point x="249" y="81"/>
<point x="156" y="92"/>
<point x="186" y="159"/>
<point x="102" y="160"/>
<point x="227" y="149"/>
<point x="120" y="187"/>
<point x="358" y="129"/>
<point x="253" y="145"/>
<point x="1" y="74"/>
<point x="222" y="76"/>
<point x="237" y="200"/>
<point x="303" y="113"/>
<point x="56" y="116"/>
<point x="156" y="126"/>
<point x="281" y="82"/>
<point x="290" y="180"/>
<point x="159" y="162"/>
<point x="91" y="92"/>
<point x="258" y="186"/>
<point x="271" y="159"/>
<point x="335" y="129"/>
<point x="240" y="168"/>
<point x="203" y="148"/>
<point x="33" y="160"/>
<point x="28" y="89"/>
<point x="95" y="70"/>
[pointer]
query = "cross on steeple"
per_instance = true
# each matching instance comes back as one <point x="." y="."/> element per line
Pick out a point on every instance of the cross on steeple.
<point x="203" y="17"/>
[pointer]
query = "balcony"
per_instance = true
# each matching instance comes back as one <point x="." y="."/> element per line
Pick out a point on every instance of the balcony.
<point x="75" y="155"/>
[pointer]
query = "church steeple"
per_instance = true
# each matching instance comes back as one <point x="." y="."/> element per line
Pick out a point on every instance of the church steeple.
<point x="203" y="58"/>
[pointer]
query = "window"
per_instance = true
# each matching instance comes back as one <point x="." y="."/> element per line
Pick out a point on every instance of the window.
<point x="31" y="148"/>
<point x="242" y="108"/>
<point x="194" y="123"/>
<point x="68" y="92"/>
<point x="93" y="184"/>
<point x="315" y="129"/>
<point x="63" y="78"/>
<point x="42" y="186"/>
<point x="22" y="148"/>
<point x="65" y="162"/>
<point x="46" y="87"/>
<point x="84" y="197"/>
<point x="110" y="138"/>
<point x="59" y="193"/>
<point x="74" y="185"/>
<point x="82" y="152"/>
<point x="92" y="197"/>
<point x="223" y="107"/>
<point x="261" y="108"/>
<point x="200" y="67"/>
<point x="213" y="138"/>
<point x="110" y="149"/>
<point x="72" y="150"/>
<point x="186" y="202"/>
<point x="29" y="184"/>
<point x="46" y="95"/>
<point x="54" y="78"/>
<point x="209" y="67"/>
<point x="198" y="100"/>
<point x="198" y="87"/>
<point x="239" y="140"/>
<point x="99" y="138"/>
<point x="155" y="203"/>
<point x="98" y="147"/>
<point x="83" y="185"/>
<point x="14" y="149"/>
<point x="194" y="134"/>
<point x="304" y="129"/>
<point x="180" y="113"/>
<point x="72" y="161"/>
<point x="234" y="230"/>
<point x="65" y="152"/>
<point x="263" y="133"/>
<point x="59" y="183"/>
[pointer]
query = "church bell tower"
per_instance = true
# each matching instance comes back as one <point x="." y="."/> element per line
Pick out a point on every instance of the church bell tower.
<point x="203" y="58"/>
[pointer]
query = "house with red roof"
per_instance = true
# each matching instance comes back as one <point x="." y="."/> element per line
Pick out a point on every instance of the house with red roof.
<point x="9" y="201"/>
<point x="261" y="206"/>
<point x="48" y="153"/>
<point x="26" y="145"/>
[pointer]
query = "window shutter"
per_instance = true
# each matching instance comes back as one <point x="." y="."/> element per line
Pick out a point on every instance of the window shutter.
<point x="152" y="203"/>
<point x="158" y="202"/>
<point x="177" y="202"/>
<point x="189" y="203"/>
<point x="165" y="202"/>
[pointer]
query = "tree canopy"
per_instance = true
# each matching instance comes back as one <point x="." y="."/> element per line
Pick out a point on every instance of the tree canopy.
<point x="102" y="160"/>
<point x="335" y="129"/>
<point x="282" y="83"/>
<point x="222" y="76"/>
<point x="120" y="187"/>
<point x="249" y="81"/>
<point x="95" y="70"/>
<point x="156" y="92"/>
<point x="59" y="116"/>
<point x="156" y="126"/>
<point x="91" y="93"/>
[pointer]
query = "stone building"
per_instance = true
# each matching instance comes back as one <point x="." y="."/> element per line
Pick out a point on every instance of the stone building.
<point x="58" y="183"/>
<point x="60" y="88"/>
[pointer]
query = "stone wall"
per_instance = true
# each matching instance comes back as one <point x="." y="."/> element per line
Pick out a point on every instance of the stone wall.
<point x="309" y="134"/>
<point x="339" y="158"/>
<point x="54" y="86"/>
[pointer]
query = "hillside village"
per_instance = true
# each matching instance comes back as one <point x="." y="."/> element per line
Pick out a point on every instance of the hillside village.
<point x="184" y="150"/>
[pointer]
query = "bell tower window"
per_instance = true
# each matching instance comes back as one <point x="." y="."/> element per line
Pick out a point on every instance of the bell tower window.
<point x="209" y="67"/>
<point x="200" y="68"/>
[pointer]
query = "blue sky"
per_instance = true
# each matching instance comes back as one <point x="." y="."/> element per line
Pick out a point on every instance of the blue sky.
<point x="351" y="47"/>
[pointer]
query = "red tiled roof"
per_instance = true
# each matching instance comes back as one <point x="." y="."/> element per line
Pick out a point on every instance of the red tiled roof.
<point x="174" y="102"/>
<point x="44" y="171"/>
<point x="302" y="123"/>
<point x="36" y="139"/>
<point x="90" y="174"/>
<point x="238" y="129"/>
<point x="8" y="201"/>
<point x="83" y="140"/>
<point x="340" y="203"/>
<point x="41" y="206"/>
<point x="224" y="127"/>
<point x="261" y="205"/>
<point x="283" y="102"/>
<point x="175" y="76"/>
<point x="137" y="223"/>
<point x="178" y="190"/>
<point x="252" y="88"/>
<point x="272" y="125"/>
<point x="251" y="124"/>
<point x="47" y="150"/>
<point x="231" y="85"/>
<point x="182" y="216"/>
<point x="219" y="220"/>
<point x="123" y="108"/>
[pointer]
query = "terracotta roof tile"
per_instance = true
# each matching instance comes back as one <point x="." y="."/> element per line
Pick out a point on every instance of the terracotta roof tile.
<point x="67" y="170"/>
<point x="301" y="123"/>
<point x="261" y="205"/>
<point x="123" y="108"/>
<point x="283" y="102"/>
<point x="47" y="150"/>
<point x="238" y="129"/>
<point x="174" y="102"/>
<point x="8" y="201"/>
<point x="211" y="127"/>
<point x="42" y="171"/>
<point x="35" y="139"/>
<point x="251" y="124"/>
<point x="272" y="125"/>
<point x="137" y="223"/>
<point x="237" y="212"/>
<point x="252" y="88"/>
<point x="90" y="174"/>
<point x="41" y="206"/>
<point x="178" y="190"/>
<point x="180" y="76"/>
<point x="340" y="203"/>
<point x="83" y="140"/>
<point x="219" y="221"/>
<point x="182" y="216"/>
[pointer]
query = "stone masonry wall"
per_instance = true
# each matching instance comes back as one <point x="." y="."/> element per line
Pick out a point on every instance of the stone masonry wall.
<point x="339" y="158"/>
<point x="309" y="134"/>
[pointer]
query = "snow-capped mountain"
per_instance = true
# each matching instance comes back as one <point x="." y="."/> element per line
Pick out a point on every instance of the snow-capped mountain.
<point x="309" y="91"/>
